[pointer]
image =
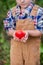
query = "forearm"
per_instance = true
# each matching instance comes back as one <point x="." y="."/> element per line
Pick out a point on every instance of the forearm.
<point x="34" y="33"/>
<point x="10" y="32"/>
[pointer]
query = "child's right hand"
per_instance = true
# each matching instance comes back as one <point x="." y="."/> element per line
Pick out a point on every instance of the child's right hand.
<point x="14" y="36"/>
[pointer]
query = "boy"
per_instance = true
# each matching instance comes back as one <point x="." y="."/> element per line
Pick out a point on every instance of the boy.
<point x="28" y="17"/>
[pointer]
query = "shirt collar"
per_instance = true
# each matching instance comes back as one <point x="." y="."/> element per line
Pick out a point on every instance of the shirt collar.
<point x="27" y="10"/>
<point x="30" y="5"/>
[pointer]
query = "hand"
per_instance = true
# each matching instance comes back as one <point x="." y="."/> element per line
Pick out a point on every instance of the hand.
<point x="24" y="39"/>
<point x="14" y="36"/>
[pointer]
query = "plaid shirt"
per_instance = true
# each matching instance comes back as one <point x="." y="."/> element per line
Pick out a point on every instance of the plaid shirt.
<point x="10" y="20"/>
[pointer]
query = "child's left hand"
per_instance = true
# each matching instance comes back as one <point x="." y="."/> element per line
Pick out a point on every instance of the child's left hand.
<point x="24" y="39"/>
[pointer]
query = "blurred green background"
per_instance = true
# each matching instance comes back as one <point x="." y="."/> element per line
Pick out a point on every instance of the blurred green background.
<point x="5" y="5"/>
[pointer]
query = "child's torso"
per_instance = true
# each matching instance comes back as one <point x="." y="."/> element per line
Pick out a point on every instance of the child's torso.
<point x="25" y="20"/>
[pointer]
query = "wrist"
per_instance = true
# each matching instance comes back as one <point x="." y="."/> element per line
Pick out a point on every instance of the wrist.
<point x="10" y="32"/>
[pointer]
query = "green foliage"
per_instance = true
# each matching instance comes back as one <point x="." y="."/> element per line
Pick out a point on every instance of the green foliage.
<point x="39" y="2"/>
<point x="41" y="55"/>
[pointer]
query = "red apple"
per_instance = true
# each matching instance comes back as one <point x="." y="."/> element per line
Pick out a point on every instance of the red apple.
<point x="20" y="34"/>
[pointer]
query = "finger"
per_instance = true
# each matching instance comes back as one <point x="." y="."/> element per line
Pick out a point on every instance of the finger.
<point x="23" y="40"/>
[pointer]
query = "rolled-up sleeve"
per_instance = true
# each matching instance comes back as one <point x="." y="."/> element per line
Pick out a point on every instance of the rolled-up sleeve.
<point x="40" y="20"/>
<point x="9" y="21"/>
